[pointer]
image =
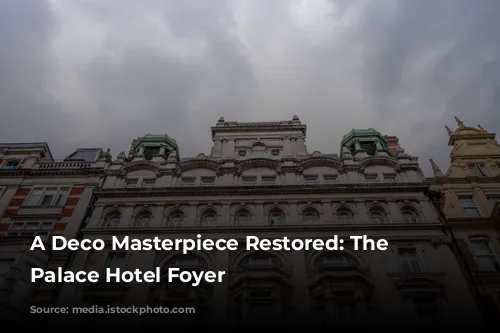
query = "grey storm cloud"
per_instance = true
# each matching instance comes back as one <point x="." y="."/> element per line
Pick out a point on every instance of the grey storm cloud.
<point x="98" y="73"/>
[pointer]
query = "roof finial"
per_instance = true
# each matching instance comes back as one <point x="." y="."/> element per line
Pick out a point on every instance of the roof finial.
<point x="436" y="169"/>
<point x="459" y="122"/>
<point x="450" y="132"/>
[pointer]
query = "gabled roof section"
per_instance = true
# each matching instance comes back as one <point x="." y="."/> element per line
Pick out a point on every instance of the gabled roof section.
<point x="21" y="147"/>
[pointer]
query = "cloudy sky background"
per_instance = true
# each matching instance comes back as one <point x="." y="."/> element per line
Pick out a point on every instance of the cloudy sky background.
<point x="97" y="73"/>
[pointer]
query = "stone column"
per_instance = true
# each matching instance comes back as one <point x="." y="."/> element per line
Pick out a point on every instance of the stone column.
<point x="362" y="213"/>
<point x="394" y="212"/>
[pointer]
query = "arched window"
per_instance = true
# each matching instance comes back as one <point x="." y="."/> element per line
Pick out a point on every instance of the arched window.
<point x="242" y="218"/>
<point x="209" y="218"/>
<point x="259" y="260"/>
<point x="175" y="219"/>
<point x="143" y="219"/>
<point x="186" y="261"/>
<point x="334" y="259"/>
<point x="310" y="216"/>
<point x="276" y="218"/>
<point x="113" y="220"/>
<point x="377" y="215"/>
<point x="344" y="216"/>
<point x="409" y="215"/>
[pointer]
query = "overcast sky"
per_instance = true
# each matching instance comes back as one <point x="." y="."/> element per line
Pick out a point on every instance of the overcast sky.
<point x="97" y="73"/>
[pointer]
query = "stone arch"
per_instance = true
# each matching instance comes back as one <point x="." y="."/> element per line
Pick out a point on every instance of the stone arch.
<point x="242" y="255"/>
<point x="319" y="161"/>
<point x="378" y="160"/>
<point x="378" y="206"/>
<point x="348" y="251"/>
<point x="140" y="165"/>
<point x="199" y="164"/>
<point x="239" y="208"/>
<point x="275" y="207"/>
<point x="258" y="163"/>
<point x="163" y="260"/>
<point x="141" y="210"/>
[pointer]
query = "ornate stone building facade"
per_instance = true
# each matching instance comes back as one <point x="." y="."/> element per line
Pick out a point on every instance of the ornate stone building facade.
<point x="259" y="179"/>
<point x="470" y="205"/>
<point x="44" y="197"/>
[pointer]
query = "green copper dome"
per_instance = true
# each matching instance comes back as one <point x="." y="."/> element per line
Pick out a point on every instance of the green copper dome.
<point x="152" y="145"/>
<point x="368" y="140"/>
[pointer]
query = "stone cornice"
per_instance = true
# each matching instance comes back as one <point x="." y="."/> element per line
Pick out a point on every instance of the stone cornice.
<point x="418" y="187"/>
<point x="350" y="228"/>
<point x="465" y="180"/>
<point x="265" y="127"/>
<point x="60" y="172"/>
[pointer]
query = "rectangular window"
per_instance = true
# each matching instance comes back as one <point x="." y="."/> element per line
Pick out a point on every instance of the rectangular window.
<point x="485" y="256"/>
<point x="427" y="311"/>
<point x="268" y="180"/>
<point x="329" y="179"/>
<point x="469" y="205"/>
<point x="49" y="196"/>
<point x="493" y="198"/>
<point x="188" y="181"/>
<point x="115" y="260"/>
<point x="310" y="179"/>
<point x="207" y="181"/>
<point x="42" y="229"/>
<point x="12" y="164"/>
<point x="249" y="180"/>
<point x="409" y="261"/>
<point x="371" y="178"/>
<point x="390" y="178"/>
<point x="131" y="183"/>
<point x="148" y="182"/>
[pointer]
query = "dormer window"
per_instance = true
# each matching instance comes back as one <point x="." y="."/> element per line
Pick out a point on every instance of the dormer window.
<point x="242" y="152"/>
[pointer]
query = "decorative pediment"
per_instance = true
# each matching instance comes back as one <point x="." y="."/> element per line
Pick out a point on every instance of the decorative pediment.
<point x="198" y="164"/>
<point x="257" y="163"/>
<point x="420" y="285"/>
<point x="319" y="161"/>
<point x="140" y="165"/>
<point x="378" y="160"/>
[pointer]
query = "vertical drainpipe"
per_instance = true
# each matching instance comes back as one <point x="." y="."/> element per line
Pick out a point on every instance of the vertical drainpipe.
<point x="470" y="276"/>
